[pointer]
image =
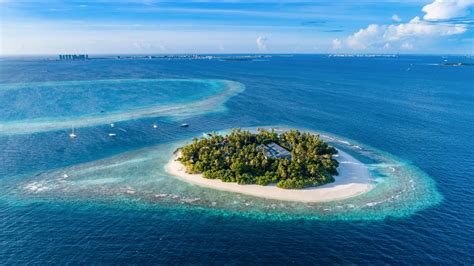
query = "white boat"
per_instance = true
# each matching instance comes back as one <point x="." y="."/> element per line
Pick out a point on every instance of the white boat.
<point x="112" y="134"/>
<point x="112" y="125"/>
<point x="73" y="135"/>
<point x="155" y="126"/>
<point x="184" y="125"/>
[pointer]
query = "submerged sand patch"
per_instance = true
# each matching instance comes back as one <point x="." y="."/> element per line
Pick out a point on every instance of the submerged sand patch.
<point x="175" y="110"/>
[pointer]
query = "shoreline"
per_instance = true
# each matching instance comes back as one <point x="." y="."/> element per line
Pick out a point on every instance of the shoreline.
<point x="354" y="179"/>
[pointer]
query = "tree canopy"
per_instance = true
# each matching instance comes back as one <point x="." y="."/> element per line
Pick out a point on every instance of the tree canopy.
<point x="239" y="157"/>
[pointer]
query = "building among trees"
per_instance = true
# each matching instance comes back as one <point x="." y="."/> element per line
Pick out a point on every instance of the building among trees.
<point x="274" y="151"/>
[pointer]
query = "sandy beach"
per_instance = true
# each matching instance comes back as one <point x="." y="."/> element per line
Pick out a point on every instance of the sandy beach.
<point x="354" y="179"/>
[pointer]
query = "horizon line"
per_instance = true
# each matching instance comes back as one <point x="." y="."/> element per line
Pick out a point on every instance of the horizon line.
<point x="186" y="53"/>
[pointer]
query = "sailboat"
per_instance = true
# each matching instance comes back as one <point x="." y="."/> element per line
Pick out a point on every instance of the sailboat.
<point x="72" y="135"/>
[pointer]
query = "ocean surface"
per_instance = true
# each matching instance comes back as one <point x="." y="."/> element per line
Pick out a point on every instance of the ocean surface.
<point x="100" y="199"/>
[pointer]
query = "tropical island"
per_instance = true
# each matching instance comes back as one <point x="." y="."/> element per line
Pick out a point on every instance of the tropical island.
<point x="289" y="166"/>
<point x="291" y="160"/>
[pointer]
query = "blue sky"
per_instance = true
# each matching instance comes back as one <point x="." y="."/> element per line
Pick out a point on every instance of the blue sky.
<point x="146" y="27"/>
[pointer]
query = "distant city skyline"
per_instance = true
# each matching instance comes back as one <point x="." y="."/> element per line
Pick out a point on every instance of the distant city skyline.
<point x="156" y="27"/>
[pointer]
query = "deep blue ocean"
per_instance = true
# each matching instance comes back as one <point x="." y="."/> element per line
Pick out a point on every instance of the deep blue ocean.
<point x="408" y="106"/>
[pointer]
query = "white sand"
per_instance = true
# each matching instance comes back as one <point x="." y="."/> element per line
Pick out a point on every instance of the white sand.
<point x="354" y="179"/>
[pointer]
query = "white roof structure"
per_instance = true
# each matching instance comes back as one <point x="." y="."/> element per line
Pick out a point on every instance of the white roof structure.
<point x="274" y="150"/>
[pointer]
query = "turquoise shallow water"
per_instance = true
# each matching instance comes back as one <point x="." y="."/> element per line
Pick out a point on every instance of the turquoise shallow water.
<point x="49" y="106"/>
<point x="413" y="128"/>
<point x="138" y="178"/>
<point x="81" y="98"/>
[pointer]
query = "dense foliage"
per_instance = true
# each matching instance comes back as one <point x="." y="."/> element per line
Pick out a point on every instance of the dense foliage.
<point x="237" y="157"/>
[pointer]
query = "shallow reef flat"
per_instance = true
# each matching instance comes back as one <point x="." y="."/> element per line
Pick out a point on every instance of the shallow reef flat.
<point x="48" y="106"/>
<point x="138" y="179"/>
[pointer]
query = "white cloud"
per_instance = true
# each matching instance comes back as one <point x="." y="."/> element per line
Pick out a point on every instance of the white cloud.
<point x="419" y="28"/>
<point x="407" y="46"/>
<point x="396" y="18"/>
<point x="137" y="45"/>
<point x="261" y="43"/>
<point x="365" y="37"/>
<point x="145" y="46"/>
<point x="447" y="9"/>
<point x="336" y="44"/>
<point x="377" y="36"/>
<point x="384" y="36"/>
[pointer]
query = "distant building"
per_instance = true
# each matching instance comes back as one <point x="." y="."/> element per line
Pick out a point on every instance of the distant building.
<point x="273" y="150"/>
<point x="73" y="57"/>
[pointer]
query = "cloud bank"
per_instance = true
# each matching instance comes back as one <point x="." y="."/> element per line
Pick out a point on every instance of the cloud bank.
<point x="447" y="9"/>
<point x="402" y="35"/>
<point x="261" y="43"/>
<point x="396" y="18"/>
<point x="336" y="44"/>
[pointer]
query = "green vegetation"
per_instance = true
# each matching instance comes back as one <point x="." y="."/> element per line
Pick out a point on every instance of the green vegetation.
<point x="240" y="157"/>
